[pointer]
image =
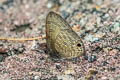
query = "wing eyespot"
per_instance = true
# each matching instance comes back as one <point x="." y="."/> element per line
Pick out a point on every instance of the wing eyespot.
<point x="79" y="45"/>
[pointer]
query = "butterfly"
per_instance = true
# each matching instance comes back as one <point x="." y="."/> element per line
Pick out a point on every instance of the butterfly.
<point x="61" y="39"/>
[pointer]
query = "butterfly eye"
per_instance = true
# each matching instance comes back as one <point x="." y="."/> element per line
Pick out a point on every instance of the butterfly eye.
<point x="79" y="45"/>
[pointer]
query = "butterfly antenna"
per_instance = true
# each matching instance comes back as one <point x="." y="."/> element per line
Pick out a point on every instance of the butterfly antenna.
<point x="23" y="39"/>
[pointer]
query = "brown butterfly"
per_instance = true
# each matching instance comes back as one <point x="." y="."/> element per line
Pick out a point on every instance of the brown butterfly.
<point x="61" y="39"/>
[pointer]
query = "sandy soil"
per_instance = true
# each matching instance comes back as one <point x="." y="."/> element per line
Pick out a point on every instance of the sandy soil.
<point x="97" y="22"/>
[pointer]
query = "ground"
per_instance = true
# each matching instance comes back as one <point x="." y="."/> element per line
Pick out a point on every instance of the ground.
<point x="97" y="22"/>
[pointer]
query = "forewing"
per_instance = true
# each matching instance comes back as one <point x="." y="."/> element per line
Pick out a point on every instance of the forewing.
<point x="56" y="19"/>
<point x="54" y="25"/>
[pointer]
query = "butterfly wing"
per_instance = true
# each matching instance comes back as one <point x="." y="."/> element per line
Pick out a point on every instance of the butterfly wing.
<point x="61" y="38"/>
<point x="54" y="25"/>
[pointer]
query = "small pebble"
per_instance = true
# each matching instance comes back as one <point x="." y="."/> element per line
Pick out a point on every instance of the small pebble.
<point x="104" y="78"/>
<point x="92" y="71"/>
<point x="112" y="68"/>
<point x="118" y="47"/>
<point x="83" y="21"/>
<point x="34" y="45"/>
<point x="26" y="78"/>
<point x="65" y="14"/>
<point x="90" y="74"/>
<point x="106" y="15"/>
<point x="58" y="66"/>
<point x="98" y="20"/>
<point x="76" y="28"/>
<point x="90" y="1"/>
<point x="86" y="57"/>
<point x="117" y="77"/>
<point x="116" y="27"/>
<point x="65" y="77"/>
<point x="106" y="50"/>
<point x="69" y="72"/>
<point x="92" y="58"/>
<point x="104" y="63"/>
<point x="91" y="38"/>
<point x="113" y="52"/>
<point x="89" y="77"/>
<point x="50" y="5"/>
<point x="36" y="78"/>
<point x="1" y="58"/>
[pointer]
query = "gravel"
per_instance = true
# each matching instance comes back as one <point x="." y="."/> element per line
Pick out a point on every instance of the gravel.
<point x="99" y="28"/>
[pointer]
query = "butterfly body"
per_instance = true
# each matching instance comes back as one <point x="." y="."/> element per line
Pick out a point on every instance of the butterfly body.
<point x="61" y="39"/>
